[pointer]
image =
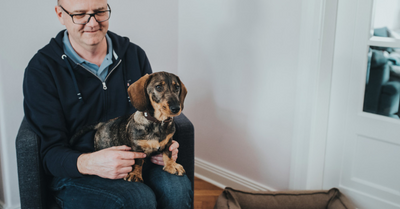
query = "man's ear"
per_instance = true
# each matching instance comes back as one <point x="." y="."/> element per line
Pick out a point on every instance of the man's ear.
<point x="59" y="14"/>
<point x="137" y="93"/>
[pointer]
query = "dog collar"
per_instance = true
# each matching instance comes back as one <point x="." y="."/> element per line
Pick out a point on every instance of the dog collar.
<point x="153" y="119"/>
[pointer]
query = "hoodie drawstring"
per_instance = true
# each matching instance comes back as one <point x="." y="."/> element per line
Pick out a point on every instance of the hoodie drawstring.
<point x="128" y="82"/>
<point x="73" y="77"/>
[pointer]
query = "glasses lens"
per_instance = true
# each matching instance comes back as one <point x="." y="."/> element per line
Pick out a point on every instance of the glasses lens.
<point x="102" y="16"/>
<point x="80" y="18"/>
<point x="84" y="18"/>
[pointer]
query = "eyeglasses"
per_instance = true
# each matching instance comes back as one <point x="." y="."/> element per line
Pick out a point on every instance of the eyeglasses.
<point x="84" y="18"/>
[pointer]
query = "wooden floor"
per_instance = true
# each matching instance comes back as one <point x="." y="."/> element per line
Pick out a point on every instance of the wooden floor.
<point x="205" y="194"/>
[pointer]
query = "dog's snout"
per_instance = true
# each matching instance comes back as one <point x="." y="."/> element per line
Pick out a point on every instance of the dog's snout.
<point x="175" y="108"/>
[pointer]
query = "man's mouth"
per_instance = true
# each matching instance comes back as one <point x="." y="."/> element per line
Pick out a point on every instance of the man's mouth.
<point x="91" y="31"/>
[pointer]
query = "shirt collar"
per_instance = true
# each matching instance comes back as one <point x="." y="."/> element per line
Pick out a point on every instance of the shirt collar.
<point x="70" y="52"/>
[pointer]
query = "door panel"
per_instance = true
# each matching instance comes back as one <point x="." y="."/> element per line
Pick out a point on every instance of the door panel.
<point x="363" y="149"/>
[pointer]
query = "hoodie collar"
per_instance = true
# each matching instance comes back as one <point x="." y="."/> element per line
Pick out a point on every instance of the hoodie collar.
<point x="55" y="48"/>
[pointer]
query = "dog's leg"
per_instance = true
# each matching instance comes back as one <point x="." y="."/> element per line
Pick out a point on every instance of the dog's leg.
<point x="136" y="174"/>
<point x="170" y="165"/>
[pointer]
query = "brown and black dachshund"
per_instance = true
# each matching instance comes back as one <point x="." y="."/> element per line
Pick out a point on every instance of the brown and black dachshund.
<point x="158" y="98"/>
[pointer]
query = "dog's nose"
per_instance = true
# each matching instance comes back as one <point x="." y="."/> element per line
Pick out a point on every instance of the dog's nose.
<point x="175" y="109"/>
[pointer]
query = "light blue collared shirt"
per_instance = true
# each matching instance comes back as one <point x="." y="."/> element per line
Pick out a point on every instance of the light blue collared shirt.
<point x="101" y="71"/>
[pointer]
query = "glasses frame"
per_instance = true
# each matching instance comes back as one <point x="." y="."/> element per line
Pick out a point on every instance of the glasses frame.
<point x="90" y="15"/>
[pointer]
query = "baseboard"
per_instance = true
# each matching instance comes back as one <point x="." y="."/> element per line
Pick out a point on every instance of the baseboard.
<point x="222" y="178"/>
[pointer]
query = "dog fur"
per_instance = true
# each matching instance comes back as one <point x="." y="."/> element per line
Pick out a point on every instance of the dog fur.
<point x="158" y="98"/>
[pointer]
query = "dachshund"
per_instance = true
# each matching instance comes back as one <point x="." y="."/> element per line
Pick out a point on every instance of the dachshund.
<point x="158" y="98"/>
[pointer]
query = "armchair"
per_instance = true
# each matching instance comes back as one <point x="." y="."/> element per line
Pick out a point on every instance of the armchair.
<point x="33" y="181"/>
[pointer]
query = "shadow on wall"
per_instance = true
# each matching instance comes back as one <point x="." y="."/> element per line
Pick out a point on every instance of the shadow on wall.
<point x="2" y="157"/>
<point x="2" y="200"/>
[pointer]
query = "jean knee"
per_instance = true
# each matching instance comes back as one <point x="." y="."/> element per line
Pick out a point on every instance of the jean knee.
<point x="176" y="194"/>
<point x="96" y="192"/>
<point x="139" y="197"/>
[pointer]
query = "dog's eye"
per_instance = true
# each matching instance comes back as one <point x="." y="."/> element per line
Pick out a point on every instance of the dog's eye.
<point x="159" y="88"/>
<point x="177" y="87"/>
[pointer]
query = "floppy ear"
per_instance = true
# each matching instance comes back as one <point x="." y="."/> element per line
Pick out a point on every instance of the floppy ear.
<point x="137" y="93"/>
<point x="183" y="93"/>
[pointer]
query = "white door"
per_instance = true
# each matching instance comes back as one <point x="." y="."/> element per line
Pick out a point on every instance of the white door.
<point x="363" y="149"/>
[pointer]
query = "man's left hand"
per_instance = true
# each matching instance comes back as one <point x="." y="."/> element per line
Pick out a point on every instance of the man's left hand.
<point x="158" y="159"/>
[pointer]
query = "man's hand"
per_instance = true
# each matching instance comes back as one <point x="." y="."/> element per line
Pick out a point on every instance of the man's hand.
<point x="158" y="159"/>
<point x="111" y="163"/>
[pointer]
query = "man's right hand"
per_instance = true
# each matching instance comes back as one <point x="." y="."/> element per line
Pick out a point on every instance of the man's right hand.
<point x="111" y="163"/>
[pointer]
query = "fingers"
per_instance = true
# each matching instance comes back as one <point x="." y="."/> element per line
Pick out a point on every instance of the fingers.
<point x="175" y="155"/>
<point x="121" y="176"/>
<point x="122" y="173"/>
<point x="121" y="148"/>
<point x="174" y="149"/>
<point x="157" y="159"/>
<point x="174" y="145"/>
<point x="125" y="153"/>
<point x="131" y="155"/>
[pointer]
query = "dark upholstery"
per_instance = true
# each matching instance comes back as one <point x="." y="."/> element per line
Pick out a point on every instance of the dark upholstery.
<point x="382" y="95"/>
<point x="382" y="90"/>
<point x="33" y="182"/>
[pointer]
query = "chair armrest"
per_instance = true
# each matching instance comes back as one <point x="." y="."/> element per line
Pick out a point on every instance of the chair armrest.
<point x="184" y="135"/>
<point x="389" y="99"/>
<point x="30" y="173"/>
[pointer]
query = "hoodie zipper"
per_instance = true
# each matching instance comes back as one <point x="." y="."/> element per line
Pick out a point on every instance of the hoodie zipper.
<point x="104" y="86"/>
<point x="103" y="82"/>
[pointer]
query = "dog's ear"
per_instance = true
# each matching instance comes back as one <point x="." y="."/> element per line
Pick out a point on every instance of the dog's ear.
<point x="183" y="93"/>
<point x="137" y="93"/>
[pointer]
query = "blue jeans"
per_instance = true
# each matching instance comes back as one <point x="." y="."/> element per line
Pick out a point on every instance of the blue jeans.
<point x="159" y="190"/>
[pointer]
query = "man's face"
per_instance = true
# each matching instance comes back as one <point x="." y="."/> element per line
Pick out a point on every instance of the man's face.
<point x="87" y="35"/>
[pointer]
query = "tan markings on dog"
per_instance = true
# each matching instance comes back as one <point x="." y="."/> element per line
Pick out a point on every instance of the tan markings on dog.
<point x="135" y="175"/>
<point x="149" y="146"/>
<point x="165" y="141"/>
<point x="161" y="112"/>
<point x="172" y="167"/>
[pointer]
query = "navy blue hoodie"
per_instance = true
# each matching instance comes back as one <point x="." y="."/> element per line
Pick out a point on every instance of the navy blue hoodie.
<point x="55" y="111"/>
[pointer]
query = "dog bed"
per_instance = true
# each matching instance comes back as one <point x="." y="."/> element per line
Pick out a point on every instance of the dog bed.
<point x="317" y="199"/>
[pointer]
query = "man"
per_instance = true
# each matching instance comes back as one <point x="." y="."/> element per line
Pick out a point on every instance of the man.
<point x="81" y="77"/>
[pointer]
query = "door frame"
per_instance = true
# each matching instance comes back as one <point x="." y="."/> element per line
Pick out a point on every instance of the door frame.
<point x="313" y="93"/>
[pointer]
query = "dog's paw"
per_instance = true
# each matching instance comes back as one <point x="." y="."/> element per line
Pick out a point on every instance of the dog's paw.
<point x="133" y="177"/>
<point x="174" y="168"/>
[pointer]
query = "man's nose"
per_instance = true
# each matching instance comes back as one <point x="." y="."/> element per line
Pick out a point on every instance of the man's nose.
<point x="92" y="21"/>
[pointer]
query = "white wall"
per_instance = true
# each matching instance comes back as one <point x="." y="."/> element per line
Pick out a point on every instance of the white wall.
<point x="239" y="60"/>
<point x="29" y="25"/>
<point x="387" y="14"/>
<point x="151" y="24"/>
